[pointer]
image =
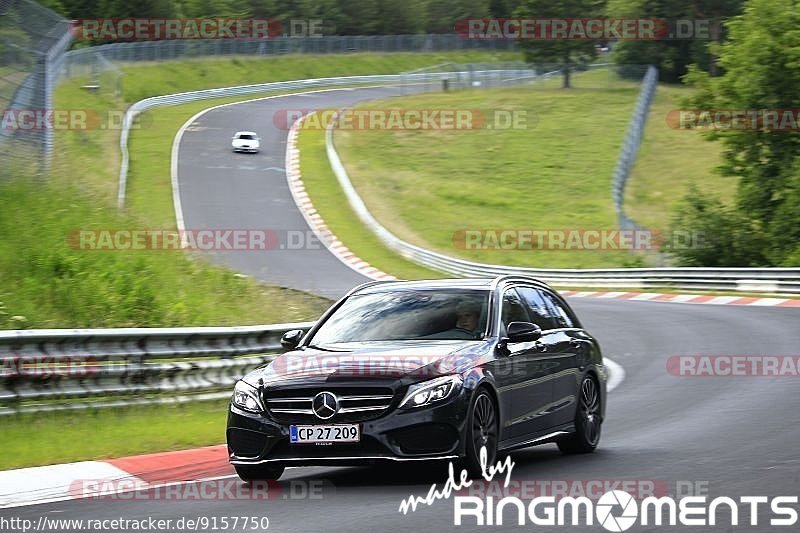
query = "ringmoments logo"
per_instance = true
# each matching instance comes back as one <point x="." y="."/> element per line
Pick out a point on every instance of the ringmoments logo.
<point x="618" y="510"/>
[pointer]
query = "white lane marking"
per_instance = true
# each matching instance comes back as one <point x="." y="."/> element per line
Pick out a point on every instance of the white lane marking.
<point x="616" y="374"/>
<point x="42" y="484"/>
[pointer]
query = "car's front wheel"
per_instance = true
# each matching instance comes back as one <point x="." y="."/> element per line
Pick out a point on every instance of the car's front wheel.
<point x="250" y="473"/>
<point x="588" y="420"/>
<point x="481" y="432"/>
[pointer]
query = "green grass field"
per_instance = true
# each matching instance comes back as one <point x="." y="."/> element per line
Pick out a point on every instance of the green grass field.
<point x="554" y="174"/>
<point x="52" y="283"/>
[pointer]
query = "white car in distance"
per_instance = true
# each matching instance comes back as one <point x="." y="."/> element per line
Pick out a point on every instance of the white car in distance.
<point x="246" y="141"/>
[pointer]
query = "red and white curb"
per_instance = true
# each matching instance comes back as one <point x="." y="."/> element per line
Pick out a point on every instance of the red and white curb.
<point x="313" y="218"/>
<point x="92" y="479"/>
<point x="684" y="298"/>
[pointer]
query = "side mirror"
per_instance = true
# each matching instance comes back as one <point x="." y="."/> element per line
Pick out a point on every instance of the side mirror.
<point x="523" y="332"/>
<point x="291" y="339"/>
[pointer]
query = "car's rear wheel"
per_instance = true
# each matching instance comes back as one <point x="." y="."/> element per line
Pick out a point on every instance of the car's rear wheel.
<point x="250" y="473"/>
<point x="588" y="420"/>
<point x="481" y="432"/>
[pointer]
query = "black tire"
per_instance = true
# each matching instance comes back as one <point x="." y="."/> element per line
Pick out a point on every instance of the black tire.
<point x="481" y="431"/>
<point x="588" y="420"/>
<point x="248" y="473"/>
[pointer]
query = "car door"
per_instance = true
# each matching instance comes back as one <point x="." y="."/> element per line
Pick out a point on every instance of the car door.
<point x="528" y="368"/>
<point x="573" y="346"/>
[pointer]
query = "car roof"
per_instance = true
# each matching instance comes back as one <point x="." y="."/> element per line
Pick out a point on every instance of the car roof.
<point x="247" y="133"/>
<point x="444" y="283"/>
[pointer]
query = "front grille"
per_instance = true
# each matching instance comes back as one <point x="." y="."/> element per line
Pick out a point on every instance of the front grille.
<point x="356" y="404"/>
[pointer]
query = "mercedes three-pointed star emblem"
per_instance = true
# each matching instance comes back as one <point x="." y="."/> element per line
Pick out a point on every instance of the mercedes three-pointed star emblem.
<point x="325" y="405"/>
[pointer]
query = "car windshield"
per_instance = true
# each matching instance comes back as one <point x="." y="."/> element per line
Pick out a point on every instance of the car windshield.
<point x="247" y="136"/>
<point x="452" y="314"/>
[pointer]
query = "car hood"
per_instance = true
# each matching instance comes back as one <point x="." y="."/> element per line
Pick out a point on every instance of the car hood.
<point x="245" y="142"/>
<point x="383" y="360"/>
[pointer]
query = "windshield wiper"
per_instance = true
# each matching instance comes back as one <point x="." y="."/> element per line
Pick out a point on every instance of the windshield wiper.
<point x="323" y="348"/>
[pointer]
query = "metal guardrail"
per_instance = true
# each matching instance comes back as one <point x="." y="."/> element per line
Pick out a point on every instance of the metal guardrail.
<point x="763" y="280"/>
<point x="480" y="77"/>
<point x="46" y="370"/>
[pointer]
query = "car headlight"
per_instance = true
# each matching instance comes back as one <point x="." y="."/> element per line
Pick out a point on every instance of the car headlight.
<point x="246" y="397"/>
<point x="432" y="391"/>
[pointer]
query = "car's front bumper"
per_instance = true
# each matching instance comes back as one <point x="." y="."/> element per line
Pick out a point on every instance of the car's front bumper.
<point x="434" y="432"/>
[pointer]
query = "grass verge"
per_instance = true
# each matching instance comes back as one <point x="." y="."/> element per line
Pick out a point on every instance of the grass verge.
<point x="554" y="174"/>
<point x="49" y="282"/>
<point x="60" y="437"/>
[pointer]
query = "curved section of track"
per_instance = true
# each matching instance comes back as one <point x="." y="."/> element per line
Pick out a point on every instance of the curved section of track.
<point x="220" y="189"/>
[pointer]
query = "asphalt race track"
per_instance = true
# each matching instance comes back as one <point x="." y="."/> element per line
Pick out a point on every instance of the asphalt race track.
<point x="221" y="190"/>
<point x="730" y="436"/>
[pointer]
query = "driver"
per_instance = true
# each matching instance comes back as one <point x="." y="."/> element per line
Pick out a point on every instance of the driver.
<point x="467" y="322"/>
<point x="467" y="317"/>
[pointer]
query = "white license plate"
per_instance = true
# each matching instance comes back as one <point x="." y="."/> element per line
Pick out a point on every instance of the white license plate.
<point x="332" y="433"/>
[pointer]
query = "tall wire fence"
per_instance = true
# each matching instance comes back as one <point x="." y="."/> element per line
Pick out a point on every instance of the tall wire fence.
<point x="33" y="40"/>
<point x="85" y="59"/>
<point x="630" y="146"/>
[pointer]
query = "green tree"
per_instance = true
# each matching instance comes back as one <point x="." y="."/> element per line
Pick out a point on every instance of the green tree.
<point x="761" y="65"/>
<point x="401" y="18"/>
<point x="564" y="53"/>
<point x="721" y="236"/>
<point x="442" y="15"/>
<point x="671" y="56"/>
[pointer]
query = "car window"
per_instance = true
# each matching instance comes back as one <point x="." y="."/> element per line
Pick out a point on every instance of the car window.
<point x="452" y="314"/>
<point x="513" y="310"/>
<point x="563" y="318"/>
<point x="540" y="313"/>
<point x="247" y="137"/>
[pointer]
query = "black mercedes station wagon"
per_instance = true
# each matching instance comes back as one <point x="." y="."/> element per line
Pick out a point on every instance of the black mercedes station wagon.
<point x="423" y="370"/>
